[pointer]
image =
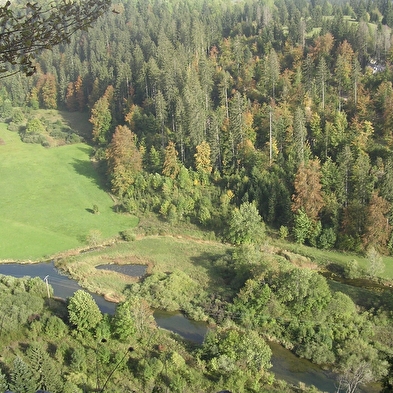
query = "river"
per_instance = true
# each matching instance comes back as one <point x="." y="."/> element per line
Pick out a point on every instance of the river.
<point x="286" y="365"/>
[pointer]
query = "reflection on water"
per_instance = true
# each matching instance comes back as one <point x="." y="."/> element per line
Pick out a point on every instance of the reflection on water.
<point x="292" y="369"/>
<point x="178" y="323"/>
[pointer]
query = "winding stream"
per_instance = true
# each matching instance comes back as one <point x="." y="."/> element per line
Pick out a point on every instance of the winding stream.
<point x="286" y="365"/>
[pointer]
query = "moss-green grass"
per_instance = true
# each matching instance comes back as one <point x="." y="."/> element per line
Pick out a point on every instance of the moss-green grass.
<point x="194" y="257"/>
<point x="326" y="257"/>
<point x="46" y="199"/>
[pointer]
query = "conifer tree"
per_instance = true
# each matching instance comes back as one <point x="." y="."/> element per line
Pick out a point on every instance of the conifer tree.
<point x="3" y="382"/>
<point x="101" y="117"/>
<point x="22" y="378"/>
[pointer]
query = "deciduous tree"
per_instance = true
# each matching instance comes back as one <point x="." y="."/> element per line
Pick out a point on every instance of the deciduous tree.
<point x="377" y="228"/>
<point x="124" y="160"/>
<point x="171" y="165"/>
<point x="246" y="225"/>
<point x="28" y="29"/>
<point x="83" y="311"/>
<point x="202" y="158"/>
<point x="308" y="189"/>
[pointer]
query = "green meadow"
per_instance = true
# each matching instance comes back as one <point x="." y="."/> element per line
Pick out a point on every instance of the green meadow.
<point x="47" y="197"/>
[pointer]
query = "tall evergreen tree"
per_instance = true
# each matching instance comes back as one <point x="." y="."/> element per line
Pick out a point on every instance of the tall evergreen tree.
<point x="101" y="117"/>
<point x="22" y="378"/>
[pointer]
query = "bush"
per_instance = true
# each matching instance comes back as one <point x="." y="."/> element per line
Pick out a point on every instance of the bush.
<point x="58" y="134"/>
<point x="55" y="327"/>
<point x="283" y="232"/>
<point x="73" y="138"/>
<point x="352" y="269"/>
<point x="13" y="127"/>
<point x="128" y="235"/>
<point x="18" y="116"/>
<point x="35" y="138"/>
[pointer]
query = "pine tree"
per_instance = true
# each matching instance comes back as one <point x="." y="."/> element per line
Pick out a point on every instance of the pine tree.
<point x="3" y="382"/>
<point x="101" y="117"/>
<point x="299" y="135"/>
<point x="70" y="97"/>
<point x="22" y="378"/>
<point x="79" y="94"/>
<point x="272" y="71"/>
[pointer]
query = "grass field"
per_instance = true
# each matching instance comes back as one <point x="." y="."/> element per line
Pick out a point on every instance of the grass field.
<point x="194" y="257"/>
<point x="46" y="199"/>
<point x="326" y="257"/>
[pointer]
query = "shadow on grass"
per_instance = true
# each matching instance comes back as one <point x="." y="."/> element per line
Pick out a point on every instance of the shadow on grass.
<point x="85" y="168"/>
<point x="218" y="267"/>
<point x="79" y="122"/>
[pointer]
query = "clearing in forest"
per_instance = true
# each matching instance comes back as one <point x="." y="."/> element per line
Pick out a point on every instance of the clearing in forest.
<point x="47" y="198"/>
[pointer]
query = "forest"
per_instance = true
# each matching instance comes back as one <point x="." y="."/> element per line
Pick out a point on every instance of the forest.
<point x="197" y="106"/>
<point x="245" y="118"/>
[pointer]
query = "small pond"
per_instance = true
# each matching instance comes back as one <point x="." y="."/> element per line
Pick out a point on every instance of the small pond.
<point x="286" y="365"/>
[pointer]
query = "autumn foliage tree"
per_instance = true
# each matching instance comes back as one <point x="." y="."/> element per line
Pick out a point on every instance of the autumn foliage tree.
<point x="124" y="160"/>
<point x="202" y="159"/>
<point x="171" y="167"/>
<point x="49" y="92"/>
<point x="377" y="227"/>
<point x="75" y="97"/>
<point x="308" y="190"/>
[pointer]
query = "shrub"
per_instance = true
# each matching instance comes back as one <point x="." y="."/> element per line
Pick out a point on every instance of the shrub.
<point x="283" y="232"/>
<point x="352" y="269"/>
<point x="58" y="134"/>
<point x="73" y="138"/>
<point x="128" y="235"/>
<point x="13" y="127"/>
<point x="55" y="327"/>
<point x="18" y="116"/>
<point x="35" y="138"/>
